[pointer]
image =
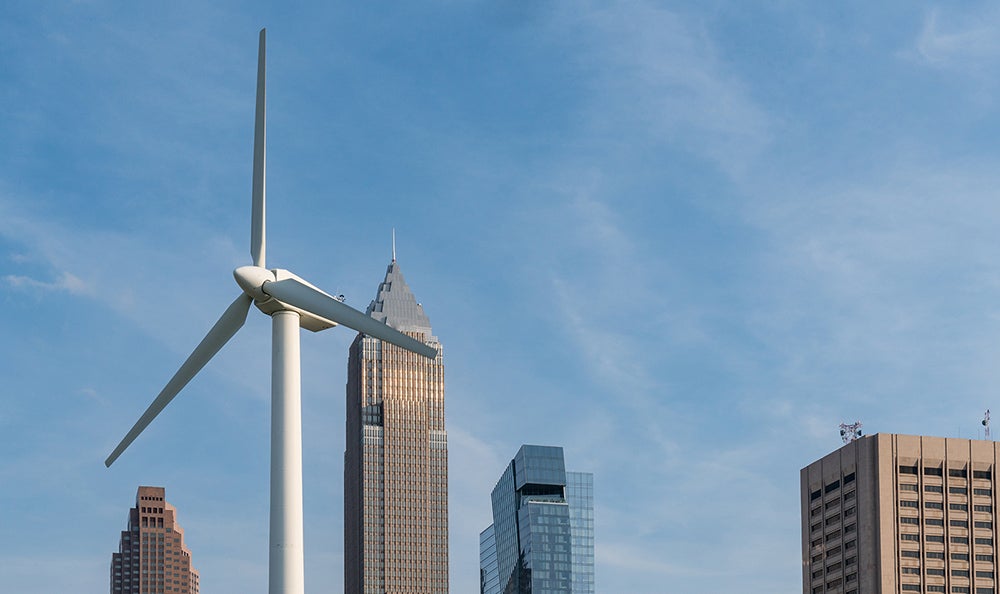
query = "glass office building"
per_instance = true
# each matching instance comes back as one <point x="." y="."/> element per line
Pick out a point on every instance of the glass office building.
<point x="542" y="537"/>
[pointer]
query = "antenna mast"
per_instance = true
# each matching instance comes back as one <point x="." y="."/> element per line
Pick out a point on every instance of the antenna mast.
<point x="850" y="431"/>
<point x="986" y="423"/>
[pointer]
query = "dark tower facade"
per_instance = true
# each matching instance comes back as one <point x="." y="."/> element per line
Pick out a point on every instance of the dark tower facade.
<point x="396" y="457"/>
<point x="152" y="557"/>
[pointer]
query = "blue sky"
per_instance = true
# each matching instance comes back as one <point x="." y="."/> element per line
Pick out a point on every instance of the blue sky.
<point x="682" y="240"/>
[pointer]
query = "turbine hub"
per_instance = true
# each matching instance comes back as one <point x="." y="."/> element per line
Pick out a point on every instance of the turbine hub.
<point x="251" y="279"/>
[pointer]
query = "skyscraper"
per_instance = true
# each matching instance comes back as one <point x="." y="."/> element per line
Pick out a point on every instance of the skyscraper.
<point x="152" y="557"/>
<point x="396" y="459"/>
<point x="542" y="537"/>
<point x="901" y="513"/>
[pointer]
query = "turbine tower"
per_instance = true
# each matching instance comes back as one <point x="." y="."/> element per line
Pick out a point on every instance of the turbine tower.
<point x="292" y="303"/>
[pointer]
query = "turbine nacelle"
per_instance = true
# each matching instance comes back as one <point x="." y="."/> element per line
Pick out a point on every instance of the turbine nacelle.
<point x="252" y="279"/>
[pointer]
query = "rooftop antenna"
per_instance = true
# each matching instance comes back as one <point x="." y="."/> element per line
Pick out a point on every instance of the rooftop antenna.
<point x="850" y="431"/>
<point x="393" y="244"/>
<point x="292" y="303"/>
<point x="986" y="423"/>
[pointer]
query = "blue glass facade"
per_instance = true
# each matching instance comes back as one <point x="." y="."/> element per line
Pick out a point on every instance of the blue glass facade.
<point x="580" y="497"/>
<point x="489" y="579"/>
<point x="542" y="537"/>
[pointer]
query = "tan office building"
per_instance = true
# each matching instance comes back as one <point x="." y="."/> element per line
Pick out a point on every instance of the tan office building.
<point x="901" y="513"/>
<point x="152" y="557"/>
<point x="396" y="459"/>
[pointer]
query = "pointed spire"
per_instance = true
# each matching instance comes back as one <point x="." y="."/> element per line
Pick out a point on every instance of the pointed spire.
<point x="393" y="244"/>
<point x="395" y="304"/>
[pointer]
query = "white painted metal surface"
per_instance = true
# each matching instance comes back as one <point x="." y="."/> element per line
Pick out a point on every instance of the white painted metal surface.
<point x="287" y="568"/>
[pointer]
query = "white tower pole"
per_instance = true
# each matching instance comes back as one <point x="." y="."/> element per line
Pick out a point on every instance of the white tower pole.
<point x="287" y="568"/>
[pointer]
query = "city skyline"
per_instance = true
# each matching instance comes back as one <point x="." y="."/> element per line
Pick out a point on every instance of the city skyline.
<point x="692" y="238"/>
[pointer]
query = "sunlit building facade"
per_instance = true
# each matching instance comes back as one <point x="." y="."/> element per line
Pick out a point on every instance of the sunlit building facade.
<point x="152" y="557"/>
<point x="901" y="513"/>
<point x="542" y="537"/>
<point x="396" y="458"/>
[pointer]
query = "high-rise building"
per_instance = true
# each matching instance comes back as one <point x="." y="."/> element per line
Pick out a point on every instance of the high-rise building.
<point x="152" y="557"/>
<point x="901" y="513"/>
<point x="396" y="459"/>
<point x="542" y="537"/>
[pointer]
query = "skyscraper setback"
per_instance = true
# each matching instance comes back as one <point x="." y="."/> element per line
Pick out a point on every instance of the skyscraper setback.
<point x="152" y="557"/>
<point x="396" y="458"/>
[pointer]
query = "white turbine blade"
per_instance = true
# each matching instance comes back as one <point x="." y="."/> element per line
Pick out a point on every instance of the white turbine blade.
<point x="319" y="303"/>
<point x="230" y="322"/>
<point x="257" y="228"/>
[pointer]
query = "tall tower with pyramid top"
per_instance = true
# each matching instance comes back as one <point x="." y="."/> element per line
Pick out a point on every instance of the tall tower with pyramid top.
<point x="396" y="459"/>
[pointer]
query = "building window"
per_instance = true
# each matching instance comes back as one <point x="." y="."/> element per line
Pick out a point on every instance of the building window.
<point x="958" y="507"/>
<point x="908" y="487"/>
<point x="982" y="474"/>
<point x="987" y="525"/>
<point x="908" y="469"/>
<point x="958" y="473"/>
<point x="910" y="537"/>
<point x="849" y="478"/>
<point x="984" y="541"/>
<point x="934" y="571"/>
<point x="933" y="505"/>
<point x="929" y="471"/>
<point x="984" y="492"/>
<point x="960" y="557"/>
<point x="958" y="490"/>
<point x="934" y="488"/>
<point x="907" y="503"/>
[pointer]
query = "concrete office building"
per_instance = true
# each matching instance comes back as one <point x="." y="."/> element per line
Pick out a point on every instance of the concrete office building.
<point x="901" y="513"/>
<point x="152" y="557"/>
<point x="396" y="459"/>
<point x="542" y="537"/>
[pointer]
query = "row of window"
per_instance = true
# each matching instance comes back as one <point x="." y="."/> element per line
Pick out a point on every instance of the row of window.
<point x="952" y="472"/>
<point x="940" y="489"/>
<point x="937" y="588"/>
<point x="848" y="479"/>
<point x="915" y="554"/>
<point x="939" y="538"/>
<point x="913" y="503"/>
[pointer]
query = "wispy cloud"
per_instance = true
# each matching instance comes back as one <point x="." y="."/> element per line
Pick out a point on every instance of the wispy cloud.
<point x="657" y="80"/>
<point x="959" y="41"/>
<point x="66" y="282"/>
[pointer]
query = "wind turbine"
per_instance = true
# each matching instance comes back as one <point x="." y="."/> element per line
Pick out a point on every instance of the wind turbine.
<point x="292" y="303"/>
